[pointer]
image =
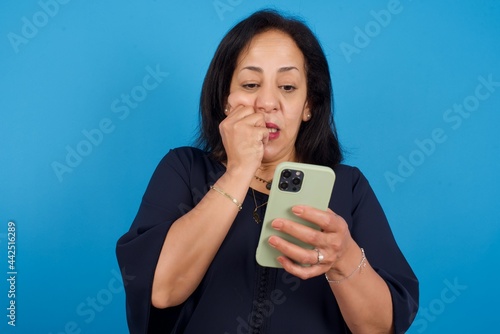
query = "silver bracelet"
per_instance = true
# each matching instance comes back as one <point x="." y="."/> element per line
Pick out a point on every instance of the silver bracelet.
<point x="360" y="265"/>
<point x="222" y="192"/>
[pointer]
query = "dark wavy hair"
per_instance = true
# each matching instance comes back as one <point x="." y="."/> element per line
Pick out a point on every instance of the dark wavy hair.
<point x="317" y="141"/>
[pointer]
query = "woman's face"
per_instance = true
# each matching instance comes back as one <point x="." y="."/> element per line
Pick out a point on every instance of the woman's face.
<point x="270" y="76"/>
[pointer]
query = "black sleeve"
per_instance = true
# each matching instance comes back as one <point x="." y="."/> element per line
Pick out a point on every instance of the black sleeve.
<point x="371" y="231"/>
<point x="167" y="197"/>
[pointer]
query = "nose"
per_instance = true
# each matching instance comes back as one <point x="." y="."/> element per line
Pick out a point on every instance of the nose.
<point x="267" y="100"/>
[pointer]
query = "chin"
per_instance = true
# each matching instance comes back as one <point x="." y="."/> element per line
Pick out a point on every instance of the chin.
<point x="269" y="155"/>
<point x="272" y="154"/>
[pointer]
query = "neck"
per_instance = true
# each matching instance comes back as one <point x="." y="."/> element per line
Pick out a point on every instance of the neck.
<point x="266" y="172"/>
<point x="267" y="168"/>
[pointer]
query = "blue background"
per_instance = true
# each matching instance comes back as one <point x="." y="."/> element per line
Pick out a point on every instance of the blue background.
<point x="63" y="66"/>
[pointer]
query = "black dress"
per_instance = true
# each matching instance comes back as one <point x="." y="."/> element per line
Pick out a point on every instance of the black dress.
<point x="237" y="296"/>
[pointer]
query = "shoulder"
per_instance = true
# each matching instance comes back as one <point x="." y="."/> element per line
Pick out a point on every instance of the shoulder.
<point x="184" y="154"/>
<point x="190" y="163"/>
<point x="345" y="169"/>
<point x="349" y="175"/>
<point x="187" y="157"/>
<point x="351" y="185"/>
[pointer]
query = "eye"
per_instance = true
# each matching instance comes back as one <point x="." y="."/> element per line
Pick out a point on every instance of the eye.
<point x="288" y="88"/>
<point x="250" y="86"/>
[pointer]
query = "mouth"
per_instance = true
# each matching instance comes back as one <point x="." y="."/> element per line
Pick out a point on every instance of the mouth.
<point x="273" y="128"/>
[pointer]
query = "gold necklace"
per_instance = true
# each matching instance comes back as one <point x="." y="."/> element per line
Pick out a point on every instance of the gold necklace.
<point x="256" y="216"/>
<point x="268" y="183"/>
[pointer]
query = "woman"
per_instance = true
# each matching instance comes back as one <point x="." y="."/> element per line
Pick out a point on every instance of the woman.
<point x="266" y="99"/>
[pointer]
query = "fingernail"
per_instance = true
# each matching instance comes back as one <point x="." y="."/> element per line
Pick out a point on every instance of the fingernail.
<point x="277" y="224"/>
<point x="272" y="241"/>
<point x="297" y="210"/>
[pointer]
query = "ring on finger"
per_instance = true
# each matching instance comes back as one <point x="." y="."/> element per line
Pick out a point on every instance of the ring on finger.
<point x="320" y="256"/>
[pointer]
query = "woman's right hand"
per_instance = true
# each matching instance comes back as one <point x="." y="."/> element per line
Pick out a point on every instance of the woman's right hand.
<point x="193" y="240"/>
<point x="244" y="134"/>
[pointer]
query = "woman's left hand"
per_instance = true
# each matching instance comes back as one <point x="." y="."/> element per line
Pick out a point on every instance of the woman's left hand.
<point x="333" y="242"/>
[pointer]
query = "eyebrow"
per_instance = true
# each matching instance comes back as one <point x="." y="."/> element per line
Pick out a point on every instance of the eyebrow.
<point x="260" y="70"/>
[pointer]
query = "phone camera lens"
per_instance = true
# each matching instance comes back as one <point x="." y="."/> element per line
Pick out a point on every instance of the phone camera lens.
<point x="287" y="173"/>
<point x="296" y="181"/>
<point x="284" y="185"/>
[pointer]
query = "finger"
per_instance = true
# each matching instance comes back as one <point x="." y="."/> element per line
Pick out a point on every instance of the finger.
<point x="265" y="138"/>
<point x="239" y="112"/>
<point x="257" y="119"/>
<point x="248" y="116"/>
<point x="294" y="252"/>
<point x="253" y="122"/>
<point x="301" y="271"/>
<point x="326" y="220"/>
<point x="299" y="231"/>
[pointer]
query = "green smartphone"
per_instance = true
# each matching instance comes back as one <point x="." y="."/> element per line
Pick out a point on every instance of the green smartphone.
<point x="293" y="184"/>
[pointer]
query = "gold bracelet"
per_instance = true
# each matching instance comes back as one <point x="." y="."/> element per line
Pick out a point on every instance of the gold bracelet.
<point x="222" y="192"/>
<point x="361" y="264"/>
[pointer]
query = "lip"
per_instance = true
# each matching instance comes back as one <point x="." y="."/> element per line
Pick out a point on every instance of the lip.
<point x="273" y="135"/>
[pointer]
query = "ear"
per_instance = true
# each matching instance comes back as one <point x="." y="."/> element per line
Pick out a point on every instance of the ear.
<point x="306" y="113"/>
